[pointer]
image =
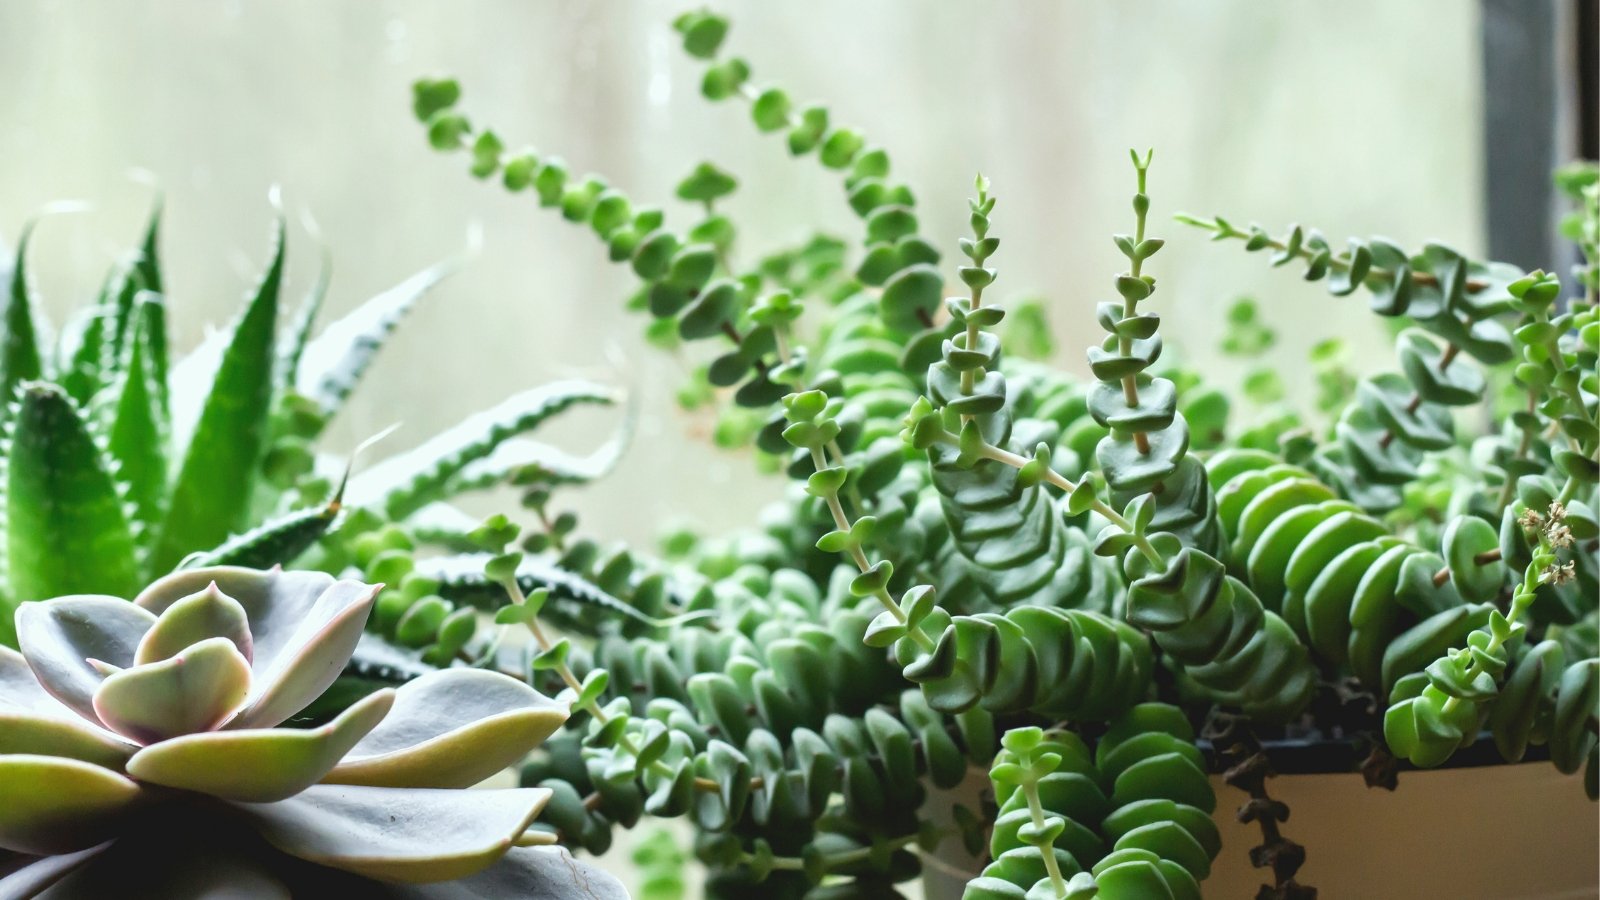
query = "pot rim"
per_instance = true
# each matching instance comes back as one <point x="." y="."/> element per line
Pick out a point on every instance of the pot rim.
<point x="1342" y="756"/>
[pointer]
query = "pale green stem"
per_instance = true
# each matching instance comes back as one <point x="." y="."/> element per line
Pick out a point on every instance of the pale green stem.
<point x="833" y="860"/>
<point x="1030" y="789"/>
<point x="592" y="707"/>
<point x="842" y="522"/>
<point x="1520" y="601"/>
<point x="1001" y="455"/>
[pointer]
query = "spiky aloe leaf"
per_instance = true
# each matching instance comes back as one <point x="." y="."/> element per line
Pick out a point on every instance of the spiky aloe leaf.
<point x="558" y="466"/>
<point x="190" y="381"/>
<point x="210" y="494"/>
<point x="136" y="436"/>
<point x="305" y="319"/>
<point x="444" y="526"/>
<point x="19" y="342"/>
<point x="151" y="310"/>
<point x="120" y="293"/>
<point x="145" y="274"/>
<point x="377" y="659"/>
<point x="277" y="541"/>
<point x="461" y="579"/>
<point x="81" y="363"/>
<point x="333" y="362"/>
<point x="401" y="485"/>
<point x="66" y="531"/>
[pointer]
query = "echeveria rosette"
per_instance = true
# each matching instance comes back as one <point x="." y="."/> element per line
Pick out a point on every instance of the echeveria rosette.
<point x="142" y="754"/>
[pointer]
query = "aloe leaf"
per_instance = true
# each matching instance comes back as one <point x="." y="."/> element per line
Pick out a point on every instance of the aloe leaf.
<point x="558" y="466"/>
<point x="333" y="363"/>
<point x="277" y="541"/>
<point x="19" y="342"/>
<point x="151" y="310"/>
<point x="66" y="529"/>
<point x="462" y="580"/>
<point x="190" y="381"/>
<point x="400" y="485"/>
<point x="305" y="319"/>
<point x="445" y="526"/>
<point x="136" y="438"/>
<point x="223" y="455"/>
<point x="121" y="288"/>
<point x="376" y="663"/>
<point x="81" y="362"/>
<point x="146" y="269"/>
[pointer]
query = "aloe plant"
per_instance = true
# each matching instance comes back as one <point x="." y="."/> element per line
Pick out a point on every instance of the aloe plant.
<point x="145" y="753"/>
<point x="121" y="465"/>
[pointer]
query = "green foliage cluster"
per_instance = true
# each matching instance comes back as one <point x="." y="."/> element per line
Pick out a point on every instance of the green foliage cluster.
<point x="146" y="755"/>
<point x="121" y="464"/>
<point x="983" y="560"/>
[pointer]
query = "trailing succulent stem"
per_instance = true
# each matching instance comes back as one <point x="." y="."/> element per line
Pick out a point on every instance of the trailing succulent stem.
<point x="981" y="560"/>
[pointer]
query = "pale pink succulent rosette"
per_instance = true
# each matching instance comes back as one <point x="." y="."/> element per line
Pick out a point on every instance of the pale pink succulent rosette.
<point x="140" y="755"/>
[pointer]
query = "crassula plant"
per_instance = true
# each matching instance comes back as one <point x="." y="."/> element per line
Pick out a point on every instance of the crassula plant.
<point x="1100" y="591"/>
<point x="147" y="750"/>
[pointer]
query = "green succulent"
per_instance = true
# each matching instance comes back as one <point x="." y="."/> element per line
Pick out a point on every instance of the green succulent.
<point x="119" y="467"/>
<point x="144" y="747"/>
<point x="982" y="560"/>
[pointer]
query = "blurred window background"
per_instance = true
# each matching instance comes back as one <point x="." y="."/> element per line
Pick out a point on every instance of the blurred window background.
<point x="1350" y="117"/>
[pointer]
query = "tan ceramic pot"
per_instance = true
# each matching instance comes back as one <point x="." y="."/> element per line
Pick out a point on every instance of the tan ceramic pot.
<point x="1484" y="833"/>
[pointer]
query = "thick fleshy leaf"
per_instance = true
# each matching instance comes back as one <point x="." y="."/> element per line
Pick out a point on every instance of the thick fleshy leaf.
<point x="222" y="455"/>
<point x="397" y="834"/>
<point x="33" y="874"/>
<point x="55" y="805"/>
<point x="137" y="437"/>
<point x="20" y="358"/>
<point x="196" y="690"/>
<point x="24" y="733"/>
<point x="58" y="638"/>
<point x="67" y="531"/>
<point x="82" y="348"/>
<point x="305" y="318"/>
<point x="206" y="614"/>
<point x="128" y="870"/>
<point x="400" y="485"/>
<point x="335" y="360"/>
<point x="32" y="721"/>
<point x="304" y="625"/>
<point x="259" y="765"/>
<point x="452" y="729"/>
<point x="21" y="690"/>
<point x="549" y="873"/>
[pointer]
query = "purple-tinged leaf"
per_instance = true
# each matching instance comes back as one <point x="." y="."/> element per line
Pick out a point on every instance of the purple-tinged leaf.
<point x="258" y="765"/>
<point x="399" y="835"/>
<point x="452" y="729"/>
<point x="58" y="638"/>
<point x="55" y="805"/>
<point x="194" y="691"/>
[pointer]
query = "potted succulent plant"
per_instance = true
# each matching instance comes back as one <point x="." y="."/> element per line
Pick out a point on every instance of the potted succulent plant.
<point x="1017" y="633"/>
<point x="144" y="755"/>
<point x="122" y="462"/>
<point x="1104" y="594"/>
